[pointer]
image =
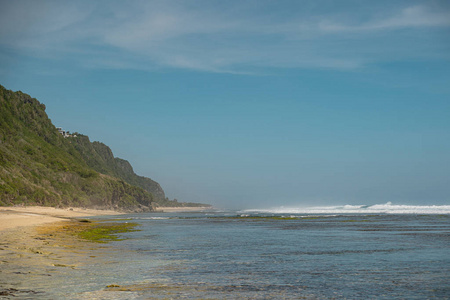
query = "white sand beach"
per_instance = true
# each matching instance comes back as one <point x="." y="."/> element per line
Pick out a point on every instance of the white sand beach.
<point x="18" y="216"/>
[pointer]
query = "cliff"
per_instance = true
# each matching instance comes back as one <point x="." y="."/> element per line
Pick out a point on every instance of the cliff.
<point x="39" y="166"/>
<point x="99" y="157"/>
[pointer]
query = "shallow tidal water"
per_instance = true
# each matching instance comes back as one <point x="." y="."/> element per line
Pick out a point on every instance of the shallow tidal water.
<point x="230" y="255"/>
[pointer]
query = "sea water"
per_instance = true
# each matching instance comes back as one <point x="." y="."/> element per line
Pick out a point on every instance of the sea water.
<point x="271" y="254"/>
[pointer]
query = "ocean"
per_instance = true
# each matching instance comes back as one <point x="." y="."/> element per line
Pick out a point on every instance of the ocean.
<point x="348" y="252"/>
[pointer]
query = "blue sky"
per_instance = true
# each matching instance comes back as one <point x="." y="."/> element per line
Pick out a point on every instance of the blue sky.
<point x="248" y="103"/>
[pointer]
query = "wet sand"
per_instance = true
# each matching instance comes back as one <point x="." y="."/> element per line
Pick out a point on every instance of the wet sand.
<point x="19" y="216"/>
<point x="36" y="245"/>
<point x="39" y="250"/>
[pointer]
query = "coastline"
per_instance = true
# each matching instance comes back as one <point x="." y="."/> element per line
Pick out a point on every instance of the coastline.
<point x="20" y="216"/>
<point x="36" y="242"/>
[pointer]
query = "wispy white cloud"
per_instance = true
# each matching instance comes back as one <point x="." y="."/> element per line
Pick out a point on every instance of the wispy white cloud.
<point x="410" y="17"/>
<point x="211" y="37"/>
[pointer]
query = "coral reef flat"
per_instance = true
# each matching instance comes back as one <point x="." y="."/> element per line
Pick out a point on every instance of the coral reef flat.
<point x="225" y="255"/>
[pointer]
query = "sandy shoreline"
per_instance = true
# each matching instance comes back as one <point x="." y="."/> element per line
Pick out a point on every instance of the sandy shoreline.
<point x="18" y="216"/>
<point x="41" y="253"/>
<point x="36" y="245"/>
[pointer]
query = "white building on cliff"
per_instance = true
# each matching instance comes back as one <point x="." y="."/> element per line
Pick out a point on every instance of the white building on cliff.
<point x="63" y="132"/>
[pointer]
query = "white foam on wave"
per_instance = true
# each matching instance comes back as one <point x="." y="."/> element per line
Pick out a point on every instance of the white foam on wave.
<point x="151" y="218"/>
<point x="387" y="208"/>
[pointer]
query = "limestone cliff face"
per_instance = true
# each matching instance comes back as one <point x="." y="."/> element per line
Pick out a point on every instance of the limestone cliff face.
<point x="39" y="166"/>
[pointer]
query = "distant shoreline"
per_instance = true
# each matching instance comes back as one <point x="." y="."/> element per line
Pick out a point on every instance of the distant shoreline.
<point x="18" y="216"/>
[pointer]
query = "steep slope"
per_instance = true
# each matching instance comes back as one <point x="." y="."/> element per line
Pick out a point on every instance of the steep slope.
<point x="39" y="166"/>
<point x="100" y="157"/>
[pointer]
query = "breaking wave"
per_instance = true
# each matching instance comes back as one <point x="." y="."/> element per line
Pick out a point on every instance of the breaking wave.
<point x="387" y="208"/>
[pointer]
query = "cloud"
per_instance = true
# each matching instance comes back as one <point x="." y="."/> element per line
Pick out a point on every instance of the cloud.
<point x="40" y="25"/>
<point x="243" y="38"/>
<point x="409" y="17"/>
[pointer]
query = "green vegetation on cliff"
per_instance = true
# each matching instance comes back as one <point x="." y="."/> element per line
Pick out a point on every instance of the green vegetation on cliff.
<point x="39" y="166"/>
<point x="99" y="157"/>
